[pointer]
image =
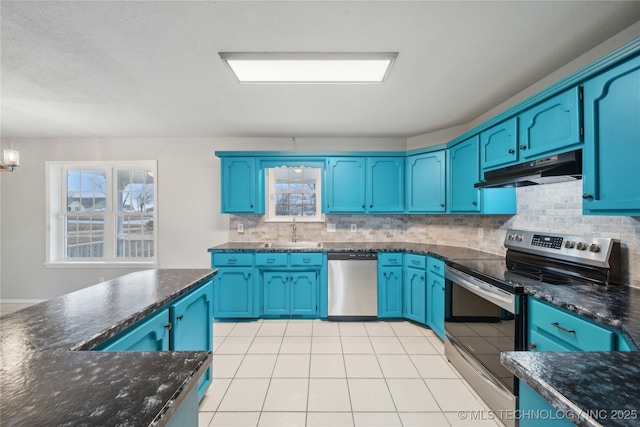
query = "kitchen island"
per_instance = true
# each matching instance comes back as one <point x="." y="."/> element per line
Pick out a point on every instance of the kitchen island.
<point x="50" y="376"/>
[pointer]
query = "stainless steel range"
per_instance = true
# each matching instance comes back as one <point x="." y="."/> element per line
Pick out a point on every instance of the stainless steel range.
<point x="485" y="304"/>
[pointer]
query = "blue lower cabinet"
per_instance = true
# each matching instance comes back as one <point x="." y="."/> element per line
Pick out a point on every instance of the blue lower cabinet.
<point x="192" y="326"/>
<point x="415" y="288"/>
<point x="435" y="296"/>
<point x="275" y="288"/>
<point x="290" y="293"/>
<point x="535" y="411"/>
<point x="149" y="334"/>
<point x="390" y="304"/>
<point x="234" y="293"/>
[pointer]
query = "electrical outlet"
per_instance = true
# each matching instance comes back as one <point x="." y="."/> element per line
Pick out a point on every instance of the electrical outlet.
<point x="354" y="228"/>
<point x="480" y="233"/>
<point x="331" y="228"/>
<point x="240" y="228"/>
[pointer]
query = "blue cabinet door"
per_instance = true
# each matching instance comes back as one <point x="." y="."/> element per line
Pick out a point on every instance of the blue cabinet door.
<point x="499" y="145"/>
<point x="345" y="192"/>
<point x="464" y="172"/>
<point x="275" y="288"/>
<point x="531" y="402"/>
<point x="435" y="296"/>
<point x="233" y="293"/>
<point x="304" y="293"/>
<point x="390" y="304"/>
<point x="426" y="182"/>
<point x="150" y="334"/>
<point x="551" y="127"/>
<point x="192" y="326"/>
<point x="415" y="295"/>
<point x="611" y="172"/>
<point x="385" y="184"/>
<point x="239" y="185"/>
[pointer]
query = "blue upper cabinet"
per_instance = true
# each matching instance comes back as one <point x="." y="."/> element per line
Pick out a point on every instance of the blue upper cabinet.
<point x="464" y="172"/>
<point x="611" y="155"/>
<point x="365" y="184"/>
<point x="239" y="187"/>
<point x="551" y="127"/>
<point x="385" y="184"/>
<point x="426" y="182"/>
<point x="499" y="145"/>
<point x="345" y="192"/>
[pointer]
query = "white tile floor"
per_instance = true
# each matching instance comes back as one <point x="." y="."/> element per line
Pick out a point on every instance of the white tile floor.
<point x="333" y="374"/>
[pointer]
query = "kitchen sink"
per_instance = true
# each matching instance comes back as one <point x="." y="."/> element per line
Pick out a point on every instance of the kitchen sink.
<point x="292" y="245"/>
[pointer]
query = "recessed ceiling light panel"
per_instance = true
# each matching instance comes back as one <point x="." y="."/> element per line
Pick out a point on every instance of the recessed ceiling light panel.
<point x="309" y="68"/>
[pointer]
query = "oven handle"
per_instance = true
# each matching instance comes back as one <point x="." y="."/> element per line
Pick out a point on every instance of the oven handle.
<point x="494" y="383"/>
<point x="482" y="289"/>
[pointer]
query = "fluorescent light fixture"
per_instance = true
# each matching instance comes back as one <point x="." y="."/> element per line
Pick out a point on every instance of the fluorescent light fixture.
<point x="309" y="68"/>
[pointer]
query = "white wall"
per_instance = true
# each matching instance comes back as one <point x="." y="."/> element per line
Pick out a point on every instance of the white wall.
<point x="189" y="218"/>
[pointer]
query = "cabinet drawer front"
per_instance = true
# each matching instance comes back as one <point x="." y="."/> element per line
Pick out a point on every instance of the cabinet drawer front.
<point x="436" y="266"/>
<point x="301" y="258"/>
<point x="568" y="329"/>
<point x="416" y="261"/>
<point x="268" y="259"/>
<point x="232" y="259"/>
<point x="391" y="259"/>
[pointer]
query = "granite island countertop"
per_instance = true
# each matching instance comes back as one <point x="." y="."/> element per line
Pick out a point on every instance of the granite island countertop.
<point x="593" y="388"/>
<point x="50" y="378"/>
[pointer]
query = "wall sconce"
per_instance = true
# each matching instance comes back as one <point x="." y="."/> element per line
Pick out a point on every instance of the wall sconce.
<point x="10" y="160"/>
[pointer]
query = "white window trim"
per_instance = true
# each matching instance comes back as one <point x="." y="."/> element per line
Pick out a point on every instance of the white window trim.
<point x="270" y="215"/>
<point x="55" y="200"/>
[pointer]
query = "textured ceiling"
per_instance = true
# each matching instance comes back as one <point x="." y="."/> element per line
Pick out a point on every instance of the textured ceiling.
<point x="151" y="68"/>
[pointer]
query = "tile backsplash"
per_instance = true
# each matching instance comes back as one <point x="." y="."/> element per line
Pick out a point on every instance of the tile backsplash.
<point x="552" y="208"/>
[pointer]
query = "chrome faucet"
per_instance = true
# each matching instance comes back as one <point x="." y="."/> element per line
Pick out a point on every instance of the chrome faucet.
<point x="293" y="228"/>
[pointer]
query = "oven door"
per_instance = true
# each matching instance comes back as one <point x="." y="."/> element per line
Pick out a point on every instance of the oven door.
<point x="481" y="321"/>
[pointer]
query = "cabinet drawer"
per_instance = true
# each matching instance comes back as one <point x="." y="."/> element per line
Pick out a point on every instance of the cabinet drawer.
<point x="567" y="330"/>
<point x="416" y="261"/>
<point x="268" y="259"/>
<point x="301" y="258"/>
<point x="435" y="266"/>
<point x="232" y="259"/>
<point x="389" y="259"/>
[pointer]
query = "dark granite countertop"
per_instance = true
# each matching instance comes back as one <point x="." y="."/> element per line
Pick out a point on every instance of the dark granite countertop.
<point x="49" y="377"/>
<point x="595" y="388"/>
<point x="439" y="251"/>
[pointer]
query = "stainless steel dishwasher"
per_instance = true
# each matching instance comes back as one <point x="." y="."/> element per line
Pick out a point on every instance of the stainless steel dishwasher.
<point x="353" y="286"/>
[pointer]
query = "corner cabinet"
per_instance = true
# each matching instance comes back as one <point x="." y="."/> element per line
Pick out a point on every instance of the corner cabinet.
<point x="464" y="172"/>
<point x="364" y="185"/>
<point x="390" y="280"/>
<point x="435" y="296"/>
<point x="415" y="288"/>
<point x="239" y="188"/>
<point x="149" y="334"/>
<point x="426" y="182"/>
<point x="611" y="155"/>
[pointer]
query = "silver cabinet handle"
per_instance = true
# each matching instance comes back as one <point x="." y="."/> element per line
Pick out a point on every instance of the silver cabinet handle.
<point x="562" y="328"/>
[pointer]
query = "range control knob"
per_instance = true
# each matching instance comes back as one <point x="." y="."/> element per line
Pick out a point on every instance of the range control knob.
<point x="510" y="236"/>
<point x="518" y="237"/>
<point x="581" y="246"/>
<point x="594" y="247"/>
<point x="569" y="244"/>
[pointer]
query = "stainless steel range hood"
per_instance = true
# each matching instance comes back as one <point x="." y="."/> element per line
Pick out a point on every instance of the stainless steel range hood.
<point x="547" y="170"/>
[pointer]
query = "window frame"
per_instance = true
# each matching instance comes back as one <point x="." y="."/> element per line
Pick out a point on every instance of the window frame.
<point x="270" y="193"/>
<point x="56" y="211"/>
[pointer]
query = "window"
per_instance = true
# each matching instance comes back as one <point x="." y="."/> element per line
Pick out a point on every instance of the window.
<point x="294" y="192"/>
<point x="101" y="212"/>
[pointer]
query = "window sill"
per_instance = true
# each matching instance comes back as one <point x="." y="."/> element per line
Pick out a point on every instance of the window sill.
<point x="97" y="264"/>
